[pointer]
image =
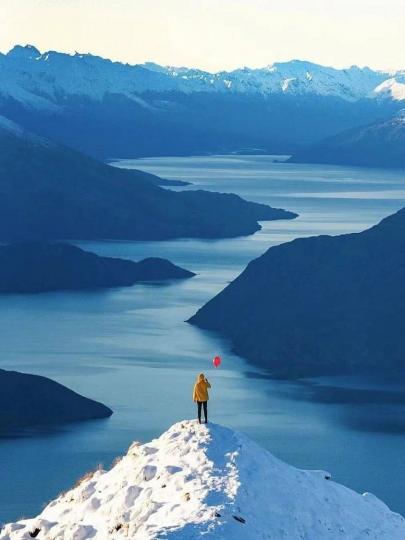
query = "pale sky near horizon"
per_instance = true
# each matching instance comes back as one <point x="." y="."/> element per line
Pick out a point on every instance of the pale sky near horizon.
<point x="213" y="34"/>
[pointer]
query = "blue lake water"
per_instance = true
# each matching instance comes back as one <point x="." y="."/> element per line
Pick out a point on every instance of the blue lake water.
<point x="130" y="348"/>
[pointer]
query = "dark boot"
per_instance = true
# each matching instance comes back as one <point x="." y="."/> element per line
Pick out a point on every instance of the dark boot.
<point x="199" y="405"/>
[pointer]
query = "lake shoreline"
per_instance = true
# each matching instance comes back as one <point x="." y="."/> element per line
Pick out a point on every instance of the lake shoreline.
<point x="130" y="348"/>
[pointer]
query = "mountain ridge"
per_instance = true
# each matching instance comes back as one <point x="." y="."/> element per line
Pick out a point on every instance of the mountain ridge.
<point x="379" y="144"/>
<point x="208" y="480"/>
<point x="295" y="76"/>
<point x="344" y="317"/>
<point x="53" y="192"/>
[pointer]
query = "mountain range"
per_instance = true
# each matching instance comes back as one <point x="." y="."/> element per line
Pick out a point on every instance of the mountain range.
<point x="94" y="77"/>
<point x="319" y="305"/>
<point x="110" y="109"/>
<point x="210" y="482"/>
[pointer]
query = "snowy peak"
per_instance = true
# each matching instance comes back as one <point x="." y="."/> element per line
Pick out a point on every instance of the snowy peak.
<point x="27" y="52"/>
<point x="208" y="481"/>
<point x="393" y="88"/>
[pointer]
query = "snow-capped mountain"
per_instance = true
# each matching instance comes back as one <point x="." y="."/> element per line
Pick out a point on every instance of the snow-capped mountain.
<point x="208" y="482"/>
<point x="298" y="77"/>
<point x="110" y="109"/>
<point x="45" y="79"/>
<point x="393" y="88"/>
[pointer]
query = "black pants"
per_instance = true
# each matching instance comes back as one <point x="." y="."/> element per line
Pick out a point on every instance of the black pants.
<point x="204" y="406"/>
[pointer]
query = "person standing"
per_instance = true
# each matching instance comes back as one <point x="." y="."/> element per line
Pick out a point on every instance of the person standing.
<point x="200" y="396"/>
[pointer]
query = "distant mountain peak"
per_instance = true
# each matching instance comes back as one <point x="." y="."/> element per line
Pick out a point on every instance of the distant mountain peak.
<point x="393" y="88"/>
<point x="28" y="52"/>
<point x="304" y="64"/>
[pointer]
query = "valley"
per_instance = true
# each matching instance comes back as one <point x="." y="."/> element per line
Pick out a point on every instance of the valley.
<point x="118" y="346"/>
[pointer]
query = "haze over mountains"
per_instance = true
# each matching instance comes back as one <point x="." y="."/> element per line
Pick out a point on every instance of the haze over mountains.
<point x="381" y="144"/>
<point x="108" y="109"/>
<point x="320" y="305"/>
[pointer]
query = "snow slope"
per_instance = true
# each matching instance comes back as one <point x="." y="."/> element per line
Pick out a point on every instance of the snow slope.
<point x="394" y="88"/>
<point x="47" y="80"/>
<point x="210" y="482"/>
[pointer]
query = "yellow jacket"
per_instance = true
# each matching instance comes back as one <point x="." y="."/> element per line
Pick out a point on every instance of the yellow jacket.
<point x="200" y="392"/>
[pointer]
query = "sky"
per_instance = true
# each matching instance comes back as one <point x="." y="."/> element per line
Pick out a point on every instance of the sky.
<point x="213" y="34"/>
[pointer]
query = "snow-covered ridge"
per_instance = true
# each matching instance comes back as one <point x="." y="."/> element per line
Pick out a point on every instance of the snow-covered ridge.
<point x="209" y="482"/>
<point x="47" y="80"/>
<point x="394" y="88"/>
<point x="296" y="77"/>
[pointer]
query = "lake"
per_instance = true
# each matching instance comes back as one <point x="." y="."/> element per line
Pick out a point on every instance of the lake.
<point x="131" y="349"/>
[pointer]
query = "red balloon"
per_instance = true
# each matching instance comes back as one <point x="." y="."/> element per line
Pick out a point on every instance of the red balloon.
<point x="217" y="361"/>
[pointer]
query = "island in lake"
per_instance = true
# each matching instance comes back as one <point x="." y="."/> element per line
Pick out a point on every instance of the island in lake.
<point x="38" y="267"/>
<point x="31" y="400"/>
